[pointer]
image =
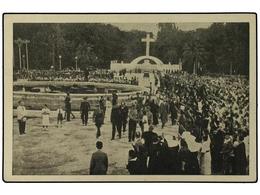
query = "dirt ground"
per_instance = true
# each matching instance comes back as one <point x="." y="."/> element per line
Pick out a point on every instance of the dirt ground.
<point x="68" y="150"/>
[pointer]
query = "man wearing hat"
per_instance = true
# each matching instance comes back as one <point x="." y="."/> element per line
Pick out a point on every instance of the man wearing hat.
<point x="84" y="109"/>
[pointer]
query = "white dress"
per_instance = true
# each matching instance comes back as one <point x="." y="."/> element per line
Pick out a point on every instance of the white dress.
<point x="205" y="160"/>
<point x="45" y="117"/>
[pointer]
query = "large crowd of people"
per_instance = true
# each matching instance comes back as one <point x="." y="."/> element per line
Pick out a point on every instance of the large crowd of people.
<point x="213" y="119"/>
<point x="211" y="115"/>
<point x="100" y="75"/>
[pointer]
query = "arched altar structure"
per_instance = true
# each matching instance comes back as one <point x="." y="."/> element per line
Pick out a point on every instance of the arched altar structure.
<point x="145" y="63"/>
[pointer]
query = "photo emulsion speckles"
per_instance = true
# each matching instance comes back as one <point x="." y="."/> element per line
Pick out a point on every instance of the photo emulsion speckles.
<point x="131" y="99"/>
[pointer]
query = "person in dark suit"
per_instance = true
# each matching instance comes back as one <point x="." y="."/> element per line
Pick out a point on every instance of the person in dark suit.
<point x="116" y="120"/>
<point x="124" y="113"/>
<point x="98" y="119"/>
<point x="84" y="109"/>
<point x="155" y="110"/>
<point x="99" y="161"/>
<point x="67" y="102"/>
<point x="68" y="111"/>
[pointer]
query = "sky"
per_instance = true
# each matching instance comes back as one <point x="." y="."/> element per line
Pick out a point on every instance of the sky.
<point x="152" y="27"/>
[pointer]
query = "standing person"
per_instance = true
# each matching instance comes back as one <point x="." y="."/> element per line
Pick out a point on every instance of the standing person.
<point x="103" y="103"/>
<point x="140" y="115"/>
<point x="45" y="117"/>
<point x="163" y="113"/>
<point x="240" y="157"/>
<point x="114" y="99"/>
<point x="217" y="142"/>
<point x="139" y="101"/>
<point x="184" y="157"/>
<point x="99" y="161"/>
<point x="145" y="122"/>
<point x="154" y="109"/>
<point x="98" y="118"/>
<point x="174" y="146"/>
<point x="154" y="162"/>
<point x="228" y="154"/>
<point x="132" y="123"/>
<point x="116" y="120"/>
<point x="59" y="116"/>
<point x="21" y="117"/>
<point x="124" y="113"/>
<point x="205" y="159"/>
<point x="67" y="102"/>
<point x="84" y="109"/>
<point x="149" y="115"/>
<point x="173" y="111"/>
<point x="194" y="147"/>
<point x="140" y="152"/>
<point x="149" y="137"/>
<point x="163" y="156"/>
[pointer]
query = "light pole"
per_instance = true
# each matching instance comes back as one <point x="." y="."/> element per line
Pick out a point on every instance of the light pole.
<point x="76" y="62"/>
<point x="60" y="60"/>
<point x="24" y="66"/>
<point x="19" y="43"/>
<point x="26" y="50"/>
<point x="231" y="61"/>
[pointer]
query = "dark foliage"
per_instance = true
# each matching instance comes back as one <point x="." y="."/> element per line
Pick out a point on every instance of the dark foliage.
<point x="222" y="48"/>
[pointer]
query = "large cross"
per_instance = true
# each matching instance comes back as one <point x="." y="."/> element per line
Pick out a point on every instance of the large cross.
<point x="148" y="39"/>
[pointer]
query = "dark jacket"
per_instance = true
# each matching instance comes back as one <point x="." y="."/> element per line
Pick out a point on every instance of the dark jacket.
<point x="124" y="112"/>
<point x="67" y="102"/>
<point x="84" y="107"/>
<point x="116" y="115"/>
<point x="133" y="167"/>
<point x="98" y="163"/>
<point x="98" y="117"/>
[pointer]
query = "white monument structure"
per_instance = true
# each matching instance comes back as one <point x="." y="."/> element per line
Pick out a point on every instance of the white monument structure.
<point x="146" y="63"/>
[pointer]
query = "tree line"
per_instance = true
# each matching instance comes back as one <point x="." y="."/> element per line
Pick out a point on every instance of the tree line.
<point x="221" y="48"/>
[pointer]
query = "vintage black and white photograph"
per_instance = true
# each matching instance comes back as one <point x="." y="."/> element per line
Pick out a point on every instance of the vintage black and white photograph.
<point x="131" y="98"/>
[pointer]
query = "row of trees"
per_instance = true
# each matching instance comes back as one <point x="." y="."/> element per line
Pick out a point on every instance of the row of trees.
<point x="222" y="48"/>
